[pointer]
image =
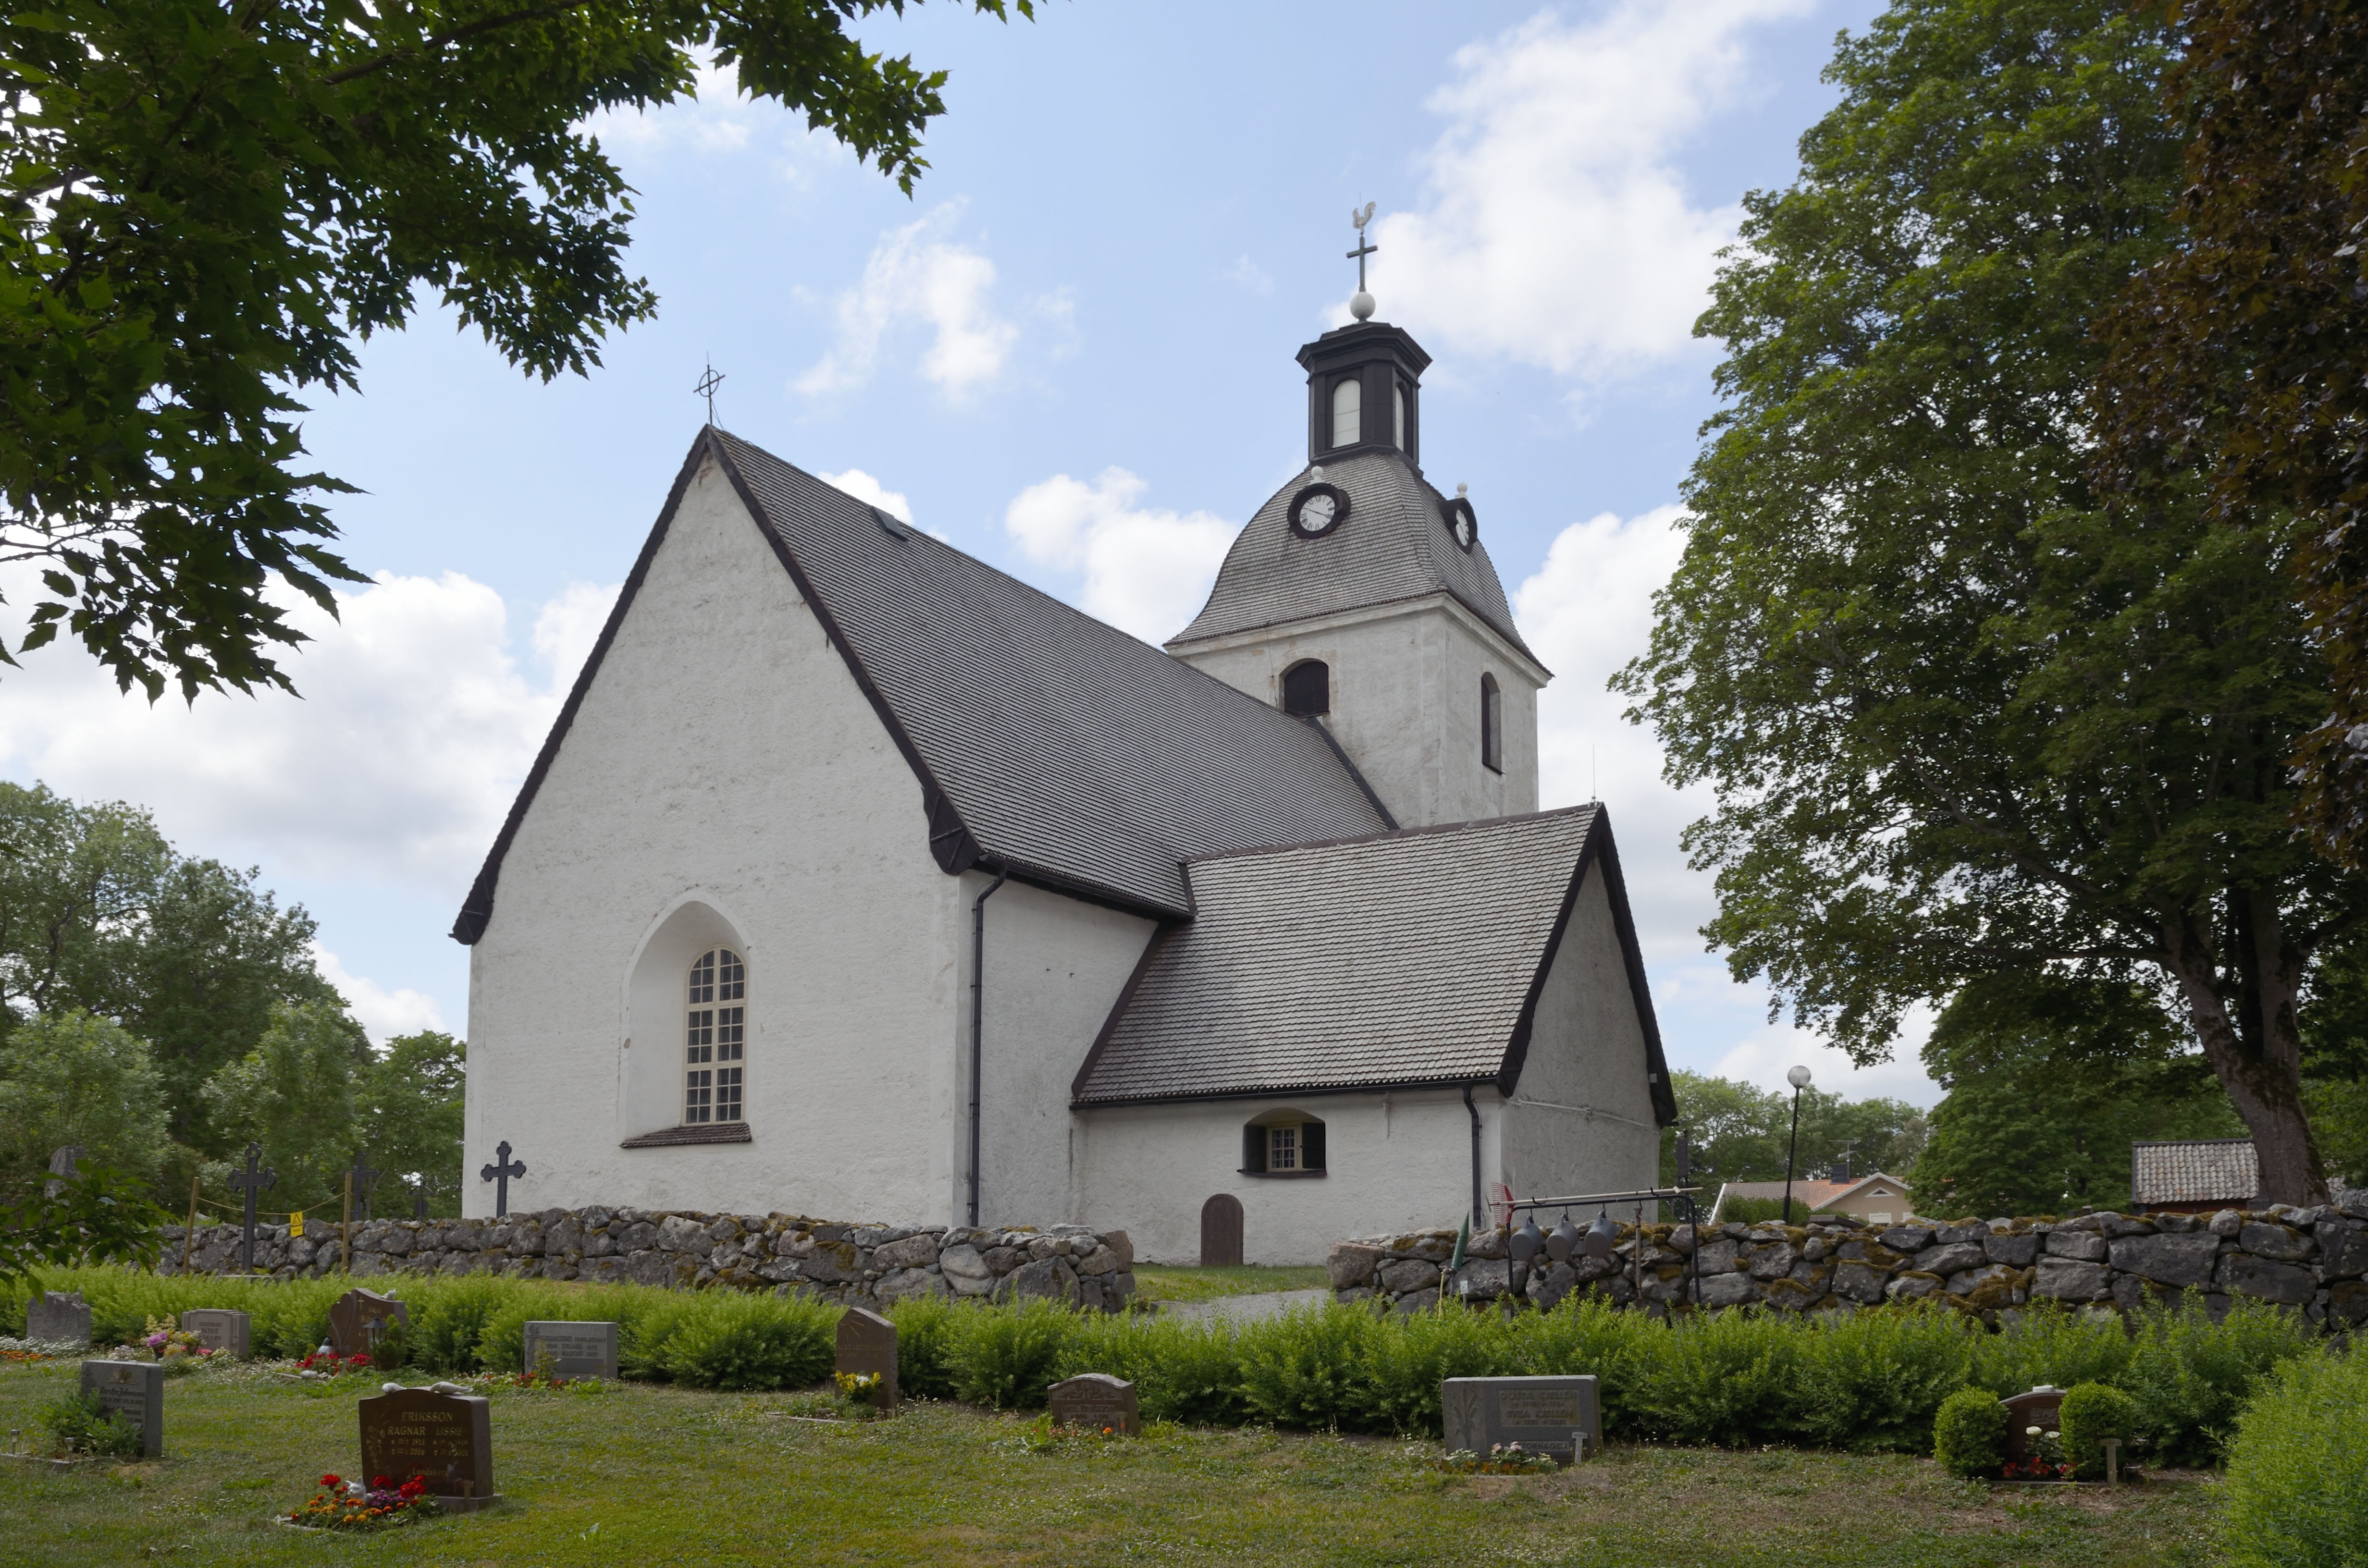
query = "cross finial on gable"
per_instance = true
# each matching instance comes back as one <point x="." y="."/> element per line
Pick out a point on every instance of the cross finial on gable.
<point x="712" y="379"/>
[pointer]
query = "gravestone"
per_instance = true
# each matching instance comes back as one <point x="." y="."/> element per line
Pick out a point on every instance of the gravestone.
<point x="1545" y="1415"/>
<point x="219" y="1329"/>
<point x="445" y="1437"/>
<point x="867" y="1343"/>
<point x="575" y="1349"/>
<point x="1096" y="1402"/>
<point x="2041" y="1407"/>
<point x="58" y="1318"/>
<point x="135" y="1391"/>
<point x="358" y="1321"/>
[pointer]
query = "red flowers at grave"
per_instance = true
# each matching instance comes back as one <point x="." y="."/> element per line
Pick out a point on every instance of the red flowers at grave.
<point x="341" y="1504"/>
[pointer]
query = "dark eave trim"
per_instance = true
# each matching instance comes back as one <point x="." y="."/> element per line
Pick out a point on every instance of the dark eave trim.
<point x="1517" y="1049"/>
<point x="1286" y="1091"/>
<point x="1315" y="722"/>
<point x="477" y="909"/>
<point x="1665" y="1094"/>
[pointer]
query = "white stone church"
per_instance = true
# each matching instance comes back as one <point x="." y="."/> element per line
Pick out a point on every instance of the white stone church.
<point x="860" y="880"/>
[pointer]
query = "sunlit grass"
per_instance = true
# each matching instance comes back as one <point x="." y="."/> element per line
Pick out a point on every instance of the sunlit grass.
<point x="1164" y="1282"/>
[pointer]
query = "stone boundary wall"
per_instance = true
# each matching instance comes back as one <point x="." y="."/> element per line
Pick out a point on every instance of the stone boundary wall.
<point x="2313" y="1259"/>
<point x="786" y="1254"/>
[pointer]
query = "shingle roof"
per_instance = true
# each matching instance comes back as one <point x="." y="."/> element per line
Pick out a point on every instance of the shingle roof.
<point x="1393" y="545"/>
<point x="1047" y="742"/>
<point x="2210" y="1170"/>
<point x="1814" y="1193"/>
<point x="1408" y="958"/>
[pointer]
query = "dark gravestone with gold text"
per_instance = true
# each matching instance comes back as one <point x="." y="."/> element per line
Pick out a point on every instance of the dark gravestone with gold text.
<point x="1096" y="1402"/>
<point x="358" y="1321"/>
<point x="867" y="1345"/>
<point x="135" y="1391"/>
<point x="448" y="1438"/>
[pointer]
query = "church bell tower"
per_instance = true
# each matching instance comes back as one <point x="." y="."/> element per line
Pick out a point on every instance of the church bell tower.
<point x="1361" y="599"/>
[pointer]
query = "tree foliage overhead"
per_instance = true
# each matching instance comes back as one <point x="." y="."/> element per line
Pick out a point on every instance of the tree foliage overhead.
<point x="1960" y="721"/>
<point x="2240" y="357"/>
<point x="207" y="201"/>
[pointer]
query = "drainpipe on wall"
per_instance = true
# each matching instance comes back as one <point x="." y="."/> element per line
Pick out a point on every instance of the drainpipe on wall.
<point x="1479" y="1220"/>
<point x="978" y="1025"/>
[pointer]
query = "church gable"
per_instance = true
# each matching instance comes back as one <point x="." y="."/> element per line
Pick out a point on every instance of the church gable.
<point x="1405" y="959"/>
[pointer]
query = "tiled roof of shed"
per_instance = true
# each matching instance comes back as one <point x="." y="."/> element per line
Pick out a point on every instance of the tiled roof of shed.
<point x="2210" y="1170"/>
<point x="1046" y="741"/>
<point x="1393" y="545"/>
<point x="1409" y="958"/>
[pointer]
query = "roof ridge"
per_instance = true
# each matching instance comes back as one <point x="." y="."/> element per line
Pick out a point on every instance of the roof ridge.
<point x="1422" y="830"/>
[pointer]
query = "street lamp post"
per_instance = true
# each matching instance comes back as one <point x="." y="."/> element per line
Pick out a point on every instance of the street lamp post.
<point x="1799" y="1078"/>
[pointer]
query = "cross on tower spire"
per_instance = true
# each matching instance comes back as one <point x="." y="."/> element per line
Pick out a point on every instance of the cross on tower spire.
<point x="1360" y="304"/>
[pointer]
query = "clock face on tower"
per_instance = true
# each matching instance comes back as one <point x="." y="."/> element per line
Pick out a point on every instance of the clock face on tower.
<point x="1317" y="510"/>
<point x="1457" y="513"/>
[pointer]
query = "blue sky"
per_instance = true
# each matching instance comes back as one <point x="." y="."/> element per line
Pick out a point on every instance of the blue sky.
<point x="1070" y="353"/>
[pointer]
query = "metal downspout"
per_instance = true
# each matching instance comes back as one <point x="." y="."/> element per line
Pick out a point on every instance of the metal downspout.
<point x="1478" y="1219"/>
<point x="978" y="1023"/>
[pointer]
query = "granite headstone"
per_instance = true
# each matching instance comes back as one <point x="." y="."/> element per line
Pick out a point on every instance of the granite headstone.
<point x="1545" y="1415"/>
<point x="1096" y="1402"/>
<point x="58" y="1318"/>
<point x="867" y="1344"/>
<point x="219" y="1329"/>
<point x="358" y="1321"/>
<point x="573" y="1349"/>
<point x="448" y="1438"/>
<point x="135" y="1391"/>
<point x="2041" y="1407"/>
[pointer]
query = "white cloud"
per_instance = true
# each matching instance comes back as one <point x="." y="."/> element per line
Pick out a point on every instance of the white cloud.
<point x="1559" y="231"/>
<point x="416" y="726"/>
<point x="1589" y="611"/>
<point x="865" y="488"/>
<point x="1146" y="570"/>
<point x="918" y="277"/>
<point x="383" y="1014"/>
<point x="1249" y="276"/>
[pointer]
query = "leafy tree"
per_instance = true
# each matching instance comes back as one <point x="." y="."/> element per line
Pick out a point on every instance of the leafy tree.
<point x="98" y="911"/>
<point x="205" y="204"/>
<point x="1740" y="1133"/>
<point x="72" y="1078"/>
<point x="1961" y="721"/>
<point x="100" y="1216"/>
<point x="410" y="1098"/>
<point x="294" y="1094"/>
<point x="2240" y="357"/>
<point x="2049" y="1083"/>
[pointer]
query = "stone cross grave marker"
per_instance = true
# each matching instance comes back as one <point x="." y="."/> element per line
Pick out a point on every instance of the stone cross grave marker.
<point x="447" y="1438"/>
<point x="363" y="1179"/>
<point x="135" y="1391"/>
<point x="2041" y="1407"/>
<point x="254" y="1179"/>
<point x="575" y="1349"/>
<point x="1545" y="1415"/>
<point x="58" y="1318"/>
<point x="219" y="1329"/>
<point x="1096" y="1402"/>
<point x="358" y="1321"/>
<point x="867" y="1343"/>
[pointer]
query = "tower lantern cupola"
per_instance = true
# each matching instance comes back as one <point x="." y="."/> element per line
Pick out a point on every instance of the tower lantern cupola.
<point x="1364" y="390"/>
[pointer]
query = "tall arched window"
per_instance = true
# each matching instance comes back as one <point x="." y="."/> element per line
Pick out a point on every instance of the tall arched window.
<point x="1347" y="412"/>
<point x="716" y="1033"/>
<point x="1307" y="688"/>
<point x="1398" y="437"/>
<point x="1492" y="725"/>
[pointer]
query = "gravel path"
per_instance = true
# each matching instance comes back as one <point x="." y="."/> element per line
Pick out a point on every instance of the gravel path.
<point x="1248" y="1308"/>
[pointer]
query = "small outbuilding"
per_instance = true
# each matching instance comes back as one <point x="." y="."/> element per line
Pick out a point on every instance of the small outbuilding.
<point x="2198" y="1176"/>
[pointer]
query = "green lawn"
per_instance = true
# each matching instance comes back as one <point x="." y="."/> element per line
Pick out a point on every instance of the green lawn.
<point x="645" y="1475"/>
<point x="1161" y="1282"/>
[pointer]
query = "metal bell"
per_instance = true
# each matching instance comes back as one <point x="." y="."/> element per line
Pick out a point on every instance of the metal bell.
<point x="1528" y="1242"/>
<point x="1561" y="1241"/>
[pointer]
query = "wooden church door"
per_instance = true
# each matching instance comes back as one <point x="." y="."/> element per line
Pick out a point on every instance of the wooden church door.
<point x="1221" y="1232"/>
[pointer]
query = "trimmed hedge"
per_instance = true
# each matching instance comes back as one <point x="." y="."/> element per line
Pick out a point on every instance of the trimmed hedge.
<point x="1873" y="1380"/>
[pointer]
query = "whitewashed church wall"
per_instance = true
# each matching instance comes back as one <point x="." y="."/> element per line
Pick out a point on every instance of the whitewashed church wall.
<point x="1581" y="1115"/>
<point x="1406" y="706"/>
<point x="1394" y="1161"/>
<point x="1054" y="968"/>
<point x="724" y="776"/>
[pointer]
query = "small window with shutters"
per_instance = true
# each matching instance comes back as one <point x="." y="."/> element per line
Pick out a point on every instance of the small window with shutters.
<point x="1283" y="1144"/>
